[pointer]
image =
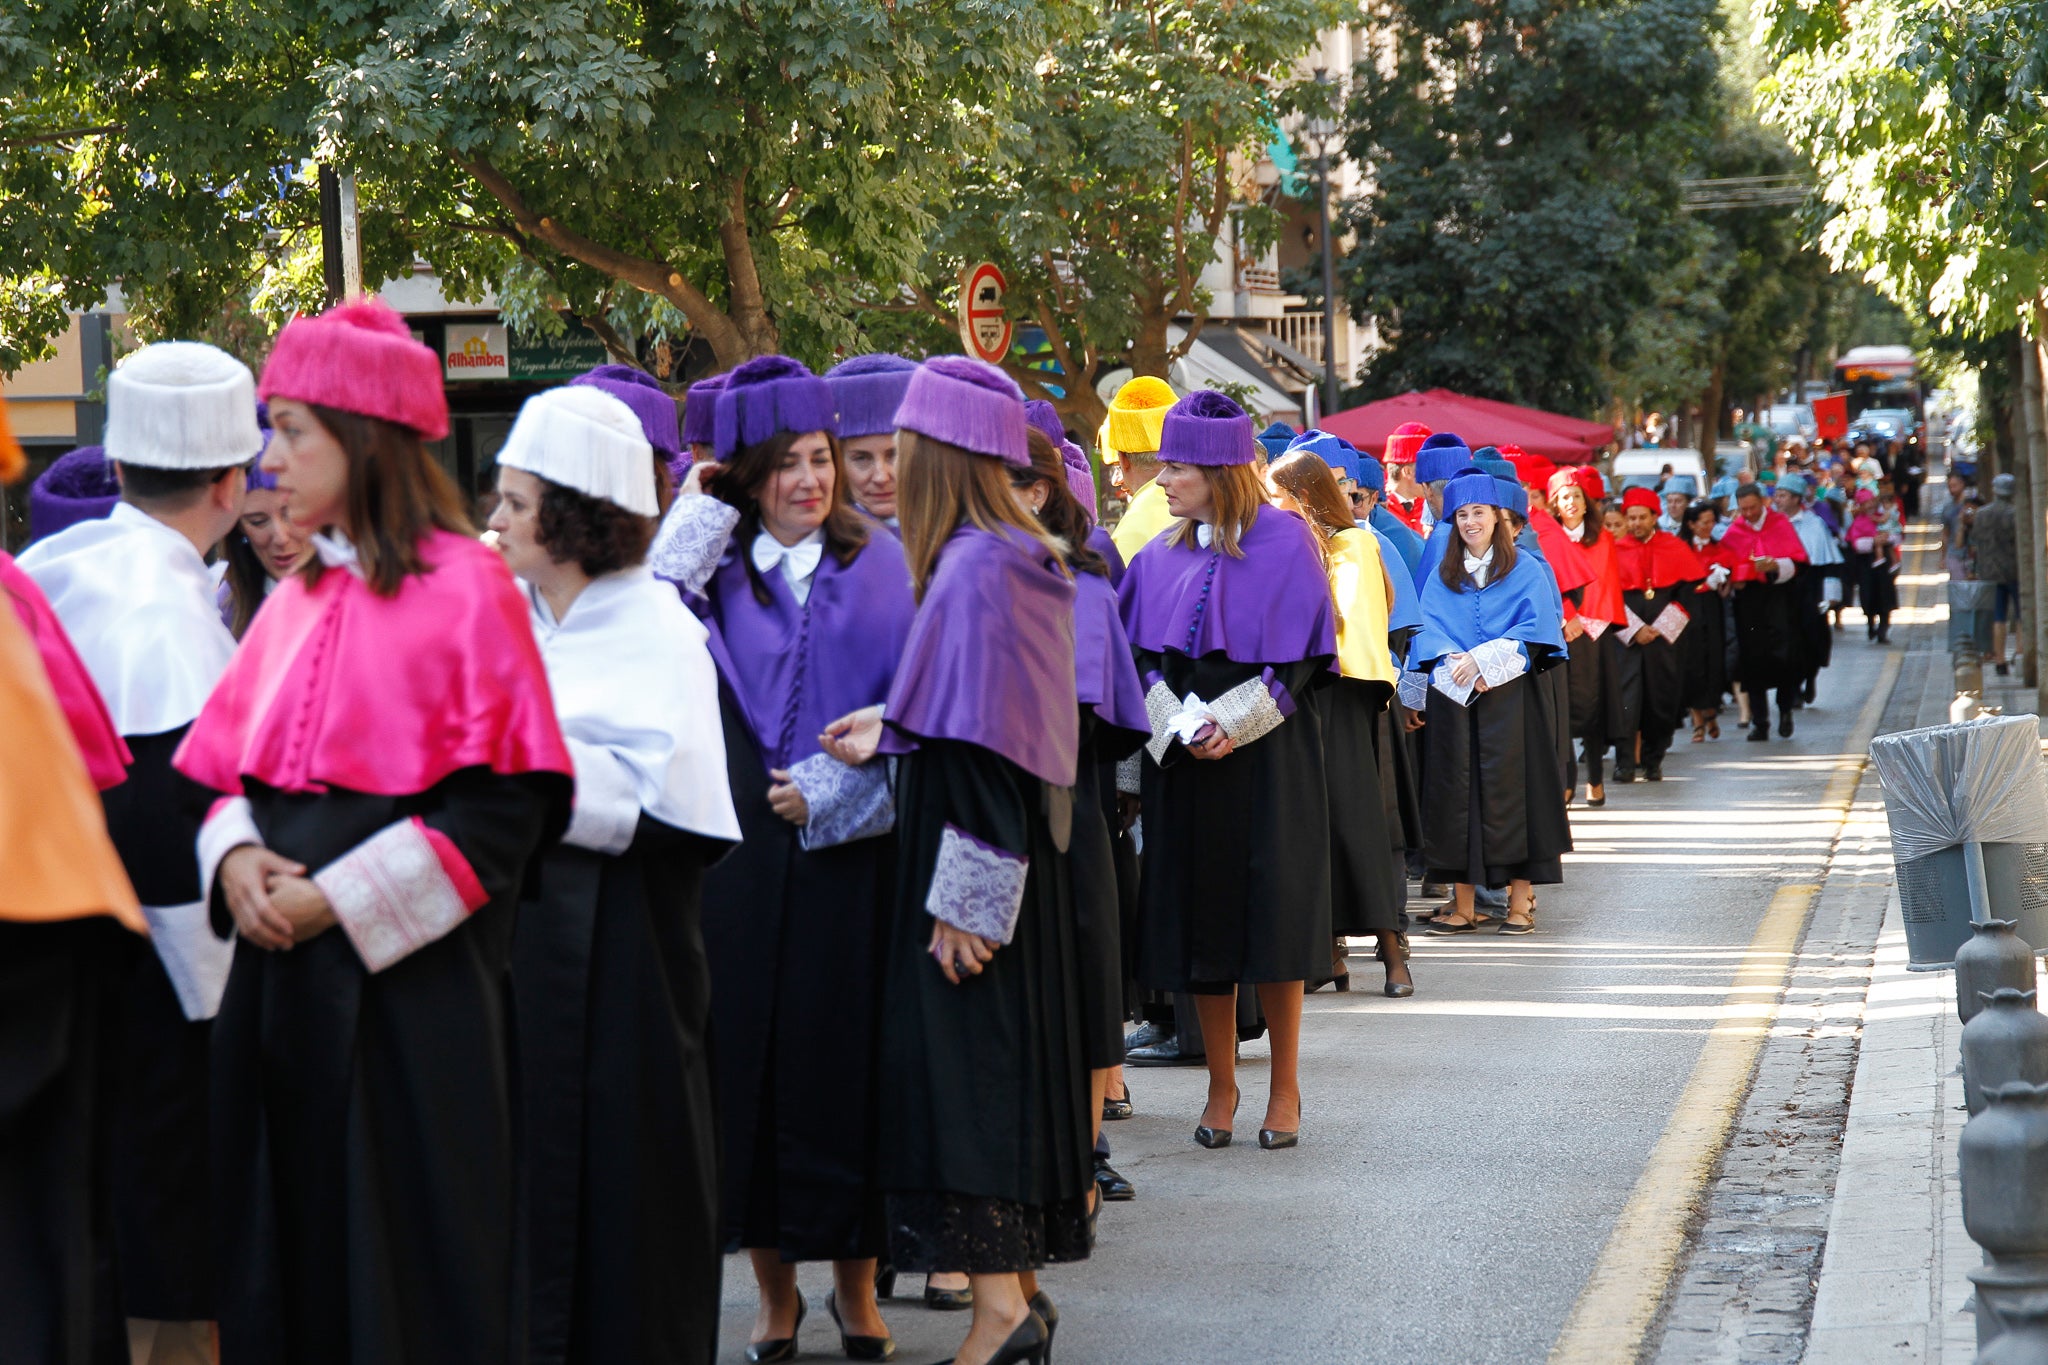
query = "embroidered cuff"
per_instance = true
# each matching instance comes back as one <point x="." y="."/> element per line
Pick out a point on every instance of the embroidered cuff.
<point x="1161" y="706"/>
<point x="1671" y="623"/>
<point x="1634" y="624"/>
<point x="976" y="886"/>
<point x="399" y="890"/>
<point x="846" y="803"/>
<point x="1442" y="680"/>
<point x="1252" y="709"/>
<point x="692" y="540"/>
<point x="1413" y="689"/>
<point x="1500" y="661"/>
<point x="195" y="959"/>
<point x="229" y="825"/>
<point x="1129" y="775"/>
<point x="607" y="809"/>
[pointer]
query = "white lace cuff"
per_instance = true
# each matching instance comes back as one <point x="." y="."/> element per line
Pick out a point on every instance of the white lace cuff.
<point x="607" y="809"/>
<point x="1161" y="706"/>
<point x="692" y="540"/>
<point x="1130" y="775"/>
<point x="977" y="887"/>
<point x="1413" y="689"/>
<point x="399" y="890"/>
<point x="194" y="957"/>
<point x="1500" y="661"/>
<point x="1672" y="621"/>
<point x="1252" y="709"/>
<point x="229" y="825"/>
<point x="846" y="803"/>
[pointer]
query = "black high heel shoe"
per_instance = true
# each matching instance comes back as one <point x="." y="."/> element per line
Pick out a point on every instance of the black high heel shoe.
<point x="1025" y="1346"/>
<point x="1214" y="1138"/>
<point x="947" y="1300"/>
<point x="1398" y="957"/>
<point x="858" y="1347"/>
<point x="778" y="1349"/>
<point x="1278" y="1139"/>
<point x="885" y="1281"/>
<point x="1042" y="1305"/>
<point x="1114" y="1110"/>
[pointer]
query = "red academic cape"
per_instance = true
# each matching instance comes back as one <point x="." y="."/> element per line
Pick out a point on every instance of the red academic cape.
<point x="1777" y="538"/>
<point x="1658" y="562"/>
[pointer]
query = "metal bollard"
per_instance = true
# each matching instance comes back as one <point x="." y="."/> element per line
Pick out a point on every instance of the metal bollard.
<point x="1994" y="956"/>
<point x="2002" y="1159"/>
<point x="2007" y="1041"/>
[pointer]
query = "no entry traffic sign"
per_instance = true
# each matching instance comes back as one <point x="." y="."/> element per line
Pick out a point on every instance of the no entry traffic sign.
<point x="984" y="330"/>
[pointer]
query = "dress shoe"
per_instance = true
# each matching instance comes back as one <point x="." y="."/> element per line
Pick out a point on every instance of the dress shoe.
<point x="777" y="1349"/>
<point x="1761" y="730"/>
<point x="1167" y="1053"/>
<point x="1025" y="1346"/>
<point x="1114" y="1187"/>
<point x="1042" y="1305"/>
<point x="855" y="1347"/>
<point x="1217" y="1138"/>
<point x="885" y="1281"/>
<point x="948" y="1300"/>
<point x="1432" y="890"/>
<point x="1806" y="692"/>
<point x="1622" y="774"/>
<point x="1785" y="722"/>
<point x="1147" y="1034"/>
<point x="1653" y="773"/>
<point x="1115" y="1109"/>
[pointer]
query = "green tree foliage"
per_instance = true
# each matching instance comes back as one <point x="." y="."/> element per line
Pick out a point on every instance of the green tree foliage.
<point x="1524" y="158"/>
<point x="1129" y="160"/>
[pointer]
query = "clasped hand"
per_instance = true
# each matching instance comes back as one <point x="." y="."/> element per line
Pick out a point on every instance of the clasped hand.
<point x="958" y="952"/>
<point x="272" y="902"/>
<point x="1465" y="672"/>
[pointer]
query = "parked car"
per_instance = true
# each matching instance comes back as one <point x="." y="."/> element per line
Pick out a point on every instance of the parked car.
<point x="1884" y="424"/>
<point x="1792" y="419"/>
<point x="1644" y="465"/>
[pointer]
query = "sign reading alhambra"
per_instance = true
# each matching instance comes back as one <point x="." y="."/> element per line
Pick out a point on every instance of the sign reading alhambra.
<point x="476" y="350"/>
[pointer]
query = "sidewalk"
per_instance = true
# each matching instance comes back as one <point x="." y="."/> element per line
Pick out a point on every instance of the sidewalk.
<point x="1893" y="1281"/>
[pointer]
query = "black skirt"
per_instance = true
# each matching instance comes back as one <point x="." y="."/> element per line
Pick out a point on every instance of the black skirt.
<point x="1493" y="809"/>
<point x="1236" y="883"/>
<point x="1368" y="883"/>
<point x="986" y="1136"/>
<point x="795" y="942"/>
<point x="613" y="999"/>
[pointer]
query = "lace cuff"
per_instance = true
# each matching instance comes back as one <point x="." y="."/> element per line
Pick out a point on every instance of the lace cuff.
<point x="977" y="887"/>
<point x="1129" y="775"/>
<point x="846" y="803"/>
<point x="230" y="824"/>
<point x="194" y="958"/>
<point x="692" y="540"/>
<point x="1161" y="706"/>
<point x="607" y="810"/>
<point x="399" y="890"/>
<point x="1253" y="709"/>
<point x="1500" y="661"/>
<point x="1413" y="689"/>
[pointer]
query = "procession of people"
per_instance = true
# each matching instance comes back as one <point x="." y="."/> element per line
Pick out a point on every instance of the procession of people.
<point x="437" y="936"/>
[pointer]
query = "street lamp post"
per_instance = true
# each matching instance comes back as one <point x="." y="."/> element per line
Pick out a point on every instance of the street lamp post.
<point x="1322" y="130"/>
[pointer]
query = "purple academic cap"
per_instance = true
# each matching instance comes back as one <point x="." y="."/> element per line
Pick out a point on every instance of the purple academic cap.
<point x="869" y="389"/>
<point x="79" y="486"/>
<point x="650" y="402"/>
<point x="1207" y="428"/>
<point x="768" y="394"/>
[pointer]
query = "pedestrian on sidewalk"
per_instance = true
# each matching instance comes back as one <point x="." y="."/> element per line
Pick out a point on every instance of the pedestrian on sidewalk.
<point x="808" y="605"/>
<point x="1493" y="813"/>
<point x="985" y="1110"/>
<point x="1230" y="614"/>
<point x="1368" y="884"/>
<point x="1658" y="577"/>
<point x="1594" y="666"/>
<point x="610" y="981"/>
<point x="1995" y="558"/>
<point x="1703" y="648"/>
<point x="1819" y="581"/>
<point x="362" y="1128"/>
<point x="1876" y="537"/>
<point x="1769" y="642"/>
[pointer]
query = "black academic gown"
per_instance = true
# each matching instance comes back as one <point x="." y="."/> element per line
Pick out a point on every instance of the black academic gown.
<point x="1493" y="810"/>
<point x="1236" y="882"/>
<point x="1769" y="638"/>
<point x="795" y="942"/>
<point x="61" y="984"/>
<point x="986" y="1152"/>
<point x="1098" y="891"/>
<point x="1702" y="650"/>
<point x="1368" y="883"/>
<point x="1652" y="683"/>
<point x="158" y="1136"/>
<point x="363" y="1124"/>
<point x="614" y="996"/>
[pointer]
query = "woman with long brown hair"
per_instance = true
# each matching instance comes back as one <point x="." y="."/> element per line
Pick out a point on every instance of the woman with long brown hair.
<point x="1230" y="616"/>
<point x="391" y="762"/>
<point x="985" y="1083"/>
<point x="1493" y="813"/>
<point x="1594" y="676"/>
<point x="808" y="608"/>
<point x="1368" y="885"/>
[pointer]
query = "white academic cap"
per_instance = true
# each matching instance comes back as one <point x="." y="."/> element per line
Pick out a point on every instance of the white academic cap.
<point x="182" y="405"/>
<point x="583" y="438"/>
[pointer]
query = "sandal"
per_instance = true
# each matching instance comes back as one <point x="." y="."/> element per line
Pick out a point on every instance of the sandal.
<point x="1714" y="729"/>
<point x="1699" y="734"/>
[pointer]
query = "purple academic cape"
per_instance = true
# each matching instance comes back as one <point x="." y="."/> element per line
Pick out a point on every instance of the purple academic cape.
<point x="1105" y="674"/>
<point x="1270" y="607"/>
<point x="990" y="660"/>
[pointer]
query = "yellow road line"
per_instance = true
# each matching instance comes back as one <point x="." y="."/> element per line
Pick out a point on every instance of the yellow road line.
<point x="1620" y="1299"/>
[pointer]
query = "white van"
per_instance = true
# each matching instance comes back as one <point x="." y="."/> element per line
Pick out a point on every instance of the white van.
<point x="1643" y="465"/>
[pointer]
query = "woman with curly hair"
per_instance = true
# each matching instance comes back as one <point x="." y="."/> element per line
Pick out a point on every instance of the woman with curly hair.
<point x="609" y="975"/>
<point x="808" y="606"/>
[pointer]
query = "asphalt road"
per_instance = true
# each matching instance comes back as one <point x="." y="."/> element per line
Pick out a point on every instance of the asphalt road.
<point x="1464" y="1152"/>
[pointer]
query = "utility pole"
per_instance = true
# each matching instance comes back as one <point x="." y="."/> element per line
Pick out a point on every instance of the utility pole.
<point x="1323" y="130"/>
<point x="341" y="241"/>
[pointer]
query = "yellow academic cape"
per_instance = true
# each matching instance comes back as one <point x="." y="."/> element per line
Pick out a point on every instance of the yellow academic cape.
<point x="1358" y="583"/>
<point x="1143" y="521"/>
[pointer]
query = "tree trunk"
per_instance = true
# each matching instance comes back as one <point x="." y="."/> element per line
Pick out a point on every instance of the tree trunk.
<point x="2034" y="595"/>
<point x="745" y="301"/>
<point x="1149" y="347"/>
<point x="1710" y="417"/>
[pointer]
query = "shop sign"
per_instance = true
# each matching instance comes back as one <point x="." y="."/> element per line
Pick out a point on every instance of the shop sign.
<point x="562" y="357"/>
<point x="476" y="350"/>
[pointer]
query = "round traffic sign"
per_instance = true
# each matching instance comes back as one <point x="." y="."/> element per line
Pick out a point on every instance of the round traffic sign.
<point x="984" y="328"/>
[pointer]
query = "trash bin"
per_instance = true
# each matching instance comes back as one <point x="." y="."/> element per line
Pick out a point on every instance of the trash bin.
<point x="1969" y="822"/>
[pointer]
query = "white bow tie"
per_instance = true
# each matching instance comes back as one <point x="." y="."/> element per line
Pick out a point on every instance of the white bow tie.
<point x="796" y="561"/>
<point x="336" y="552"/>
<point x="1205" y="534"/>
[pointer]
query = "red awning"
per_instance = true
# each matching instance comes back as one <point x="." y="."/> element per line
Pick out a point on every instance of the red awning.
<point x="1481" y="421"/>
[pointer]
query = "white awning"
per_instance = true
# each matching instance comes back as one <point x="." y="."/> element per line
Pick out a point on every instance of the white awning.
<point x="1204" y="368"/>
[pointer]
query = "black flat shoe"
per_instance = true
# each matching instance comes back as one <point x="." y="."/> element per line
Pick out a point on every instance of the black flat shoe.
<point x="1444" y="928"/>
<point x="1025" y="1346"/>
<point x="1623" y="775"/>
<point x="779" y="1348"/>
<point x="1043" y="1306"/>
<point x="948" y="1300"/>
<point x="885" y="1281"/>
<point x="858" y="1347"/>
<point x="1113" y="1110"/>
<point x="1760" y="732"/>
<point x="1653" y="774"/>
<point x="1115" y="1189"/>
<point x="1214" y="1138"/>
<point x="1785" y="723"/>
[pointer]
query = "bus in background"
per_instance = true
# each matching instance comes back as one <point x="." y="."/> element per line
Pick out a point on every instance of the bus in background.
<point x="1882" y="377"/>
